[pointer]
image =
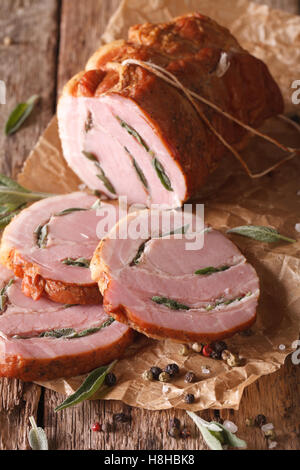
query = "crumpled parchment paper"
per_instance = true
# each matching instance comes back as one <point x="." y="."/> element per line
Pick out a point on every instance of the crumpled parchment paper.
<point x="231" y="198"/>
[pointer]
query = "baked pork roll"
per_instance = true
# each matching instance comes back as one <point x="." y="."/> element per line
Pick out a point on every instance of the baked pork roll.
<point x="42" y="340"/>
<point x="50" y="244"/>
<point x="126" y="131"/>
<point x="159" y="286"/>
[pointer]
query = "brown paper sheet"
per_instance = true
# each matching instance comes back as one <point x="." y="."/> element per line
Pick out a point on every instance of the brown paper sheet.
<point x="231" y="199"/>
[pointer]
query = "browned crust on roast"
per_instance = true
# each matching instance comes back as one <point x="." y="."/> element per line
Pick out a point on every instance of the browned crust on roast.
<point x="189" y="47"/>
<point x="34" y="285"/>
<point x="125" y="315"/>
<point x="65" y="366"/>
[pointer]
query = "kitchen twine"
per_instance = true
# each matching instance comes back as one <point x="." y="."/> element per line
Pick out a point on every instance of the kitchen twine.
<point x="172" y="80"/>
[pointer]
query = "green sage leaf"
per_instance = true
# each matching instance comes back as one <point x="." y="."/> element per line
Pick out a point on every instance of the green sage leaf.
<point x="69" y="211"/>
<point x="41" y="233"/>
<point x="88" y="388"/>
<point x="211" y="440"/>
<point x="106" y="182"/>
<point x="170" y="303"/>
<point x="63" y="333"/>
<point x="37" y="437"/>
<point x="231" y="439"/>
<point x="13" y="198"/>
<point x="133" y="133"/>
<point x="19" y="115"/>
<point x="90" y="156"/>
<point x="80" y="262"/>
<point x="4" y="296"/>
<point x="211" y="270"/>
<point x="164" y="179"/>
<point x="260" y="233"/>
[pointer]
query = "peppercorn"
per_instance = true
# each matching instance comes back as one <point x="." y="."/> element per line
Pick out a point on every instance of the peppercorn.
<point x="270" y="434"/>
<point x="96" y="427"/>
<point x="110" y="380"/>
<point x="174" y="432"/>
<point x="189" y="398"/>
<point x="184" y="350"/>
<point x="260" y="420"/>
<point x="148" y="375"/>
<point x="164" y="377"/>
<point x="172" y="369"/>
<point x="189" y="377"/>
<point x="233" y="360"/>
<point x="121" y="418"/>
<point x="207" y="351"/>
<point x="216" y="355"/>
<point x="218" y="346"/>
<point x="197" y="347"/>
<point x="185" y="433"/>
<point x="174" y="423"/>
<point x="156" y="371"/>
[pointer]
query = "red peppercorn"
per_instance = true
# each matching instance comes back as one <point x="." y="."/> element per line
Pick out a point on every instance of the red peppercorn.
<point x="207" y="350"/>
<point x="96" y="427"/>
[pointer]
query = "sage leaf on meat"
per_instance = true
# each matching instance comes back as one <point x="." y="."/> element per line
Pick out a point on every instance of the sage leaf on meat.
<point x="90" y="156"/>
<point x="170" y="303"/>
<point x="215" y="434"/>
<point x="19" y="115"/>
<point x="80" y="262"/>
<point x="164" y="179"/>
<point x="178" y="231"/>
<point x="260" y="233"/>
<point x="102" y="176"/>
<point x="211" y="270"/>
<point x="37" y="437"/>
<point x="140" y="173"/>
<point x="139" y="254"/>
<point x="4" y="296"/>
<point x="41" y="233"/>
<point x="62" y="333"/>
<point x="89" y="387"/>
<point x="133" y="133"/>
<point x="13" y="198"/>
<point x="106" y="182"/>
<point x="69" y="211"/>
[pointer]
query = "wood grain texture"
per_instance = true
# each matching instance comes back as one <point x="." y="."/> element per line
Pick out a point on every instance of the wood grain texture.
<point x="26" y="66"/>
<point x="38" y="30"/>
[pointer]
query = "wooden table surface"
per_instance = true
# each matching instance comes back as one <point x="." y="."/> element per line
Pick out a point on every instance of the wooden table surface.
<point x="52" y="40"/>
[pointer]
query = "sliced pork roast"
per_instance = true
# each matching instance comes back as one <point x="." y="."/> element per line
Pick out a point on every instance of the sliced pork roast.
<point x="42" y="340"/>
<point x="50" y="244"/>
<point x="157" y="284"/>
<point x="125" y="131"/>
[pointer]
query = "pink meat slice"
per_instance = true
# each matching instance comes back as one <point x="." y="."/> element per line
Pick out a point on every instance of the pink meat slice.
<point x="74" y="235"/>
<point x="108" y="138"/>
<point x="23" y="320"/>
<point x="211" y="306"/>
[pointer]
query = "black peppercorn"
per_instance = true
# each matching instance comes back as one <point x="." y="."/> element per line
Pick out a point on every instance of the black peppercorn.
<point x="260" y="420"/>
<point x="218" y="347"/>
<point x="189" y="398"/>
<point x="121" y="418"/>
<point x="156" y="371"/>
<point x="190" y="377"/>
<point x="172" y="369"/>
<point x="174" y="423"/>
<point x="110" y="379"/>
<point x="216" y="355"/>
<point x="174" y="432"/>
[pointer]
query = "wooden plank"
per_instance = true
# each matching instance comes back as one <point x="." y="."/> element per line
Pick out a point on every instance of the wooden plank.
<point x="275" y="395"/>
<point x="292" y="6"/>
<point x="28" y="66"/>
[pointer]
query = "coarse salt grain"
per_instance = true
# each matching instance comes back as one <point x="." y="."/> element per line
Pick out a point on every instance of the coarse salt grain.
<point x="166" y="389"/>
<point x="273" y="444"/>
<point x="230" y="426"/>
<point x="267" y="427"/>
<point x="281" y="347"/>
<point x="297" y="227"/>
<point x="205" y="370"/>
